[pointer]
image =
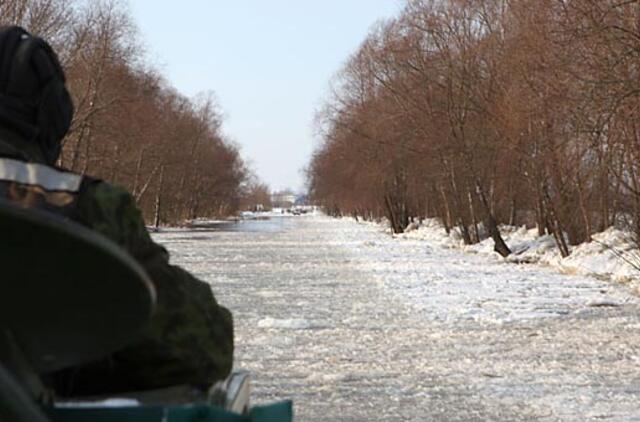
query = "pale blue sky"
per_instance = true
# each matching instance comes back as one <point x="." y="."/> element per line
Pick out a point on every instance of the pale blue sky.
<point x="268" y="61"/>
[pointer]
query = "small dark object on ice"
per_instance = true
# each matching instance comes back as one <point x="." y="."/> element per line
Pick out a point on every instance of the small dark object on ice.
<point x="489" y="375"/>
<point x="603" y="304"/>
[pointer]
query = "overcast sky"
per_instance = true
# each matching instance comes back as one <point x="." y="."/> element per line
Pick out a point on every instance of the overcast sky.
<point x="268" y="61"/>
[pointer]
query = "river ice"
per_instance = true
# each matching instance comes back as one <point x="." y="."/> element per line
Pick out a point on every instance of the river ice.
<point x="353" y="324"/>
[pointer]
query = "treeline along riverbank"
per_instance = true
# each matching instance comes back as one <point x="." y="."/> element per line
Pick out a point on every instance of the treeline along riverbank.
<point x="131" y="126"/>
<point x="488" y="112"/>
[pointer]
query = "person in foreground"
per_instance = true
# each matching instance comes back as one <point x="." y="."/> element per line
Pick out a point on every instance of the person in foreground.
<point x="189" y="339"/>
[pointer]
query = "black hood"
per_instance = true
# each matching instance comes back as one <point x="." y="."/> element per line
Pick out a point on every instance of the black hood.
<point x="34" y="101"/>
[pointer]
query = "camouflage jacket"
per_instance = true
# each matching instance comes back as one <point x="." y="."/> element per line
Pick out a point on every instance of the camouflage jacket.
<point x="190" y="337"/>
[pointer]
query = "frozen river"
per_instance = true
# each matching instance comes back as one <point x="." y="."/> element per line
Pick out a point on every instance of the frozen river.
<point x="355" y="325"/>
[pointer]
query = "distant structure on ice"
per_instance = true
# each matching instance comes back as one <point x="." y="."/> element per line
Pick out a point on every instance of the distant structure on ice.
<point x="284" y="199"/>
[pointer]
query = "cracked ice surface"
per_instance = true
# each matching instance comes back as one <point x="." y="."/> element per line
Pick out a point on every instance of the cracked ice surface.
<point x="355" y="325"/>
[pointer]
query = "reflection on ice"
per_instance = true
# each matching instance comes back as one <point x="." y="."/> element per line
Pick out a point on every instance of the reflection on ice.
<point x="286" y="324"/>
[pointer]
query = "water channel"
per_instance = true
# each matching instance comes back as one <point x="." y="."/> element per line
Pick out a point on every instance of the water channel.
<point x="354" y="325"/>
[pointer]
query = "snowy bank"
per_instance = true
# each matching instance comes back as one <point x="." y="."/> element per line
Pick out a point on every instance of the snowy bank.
<point x="611" y="255"/>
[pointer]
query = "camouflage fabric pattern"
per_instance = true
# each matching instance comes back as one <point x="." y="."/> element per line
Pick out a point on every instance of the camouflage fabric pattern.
<point x="30" y="196"/>
<point x="190" y="337"/>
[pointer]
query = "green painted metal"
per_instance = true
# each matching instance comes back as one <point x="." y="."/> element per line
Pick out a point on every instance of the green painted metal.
<point x="278" y="412"/>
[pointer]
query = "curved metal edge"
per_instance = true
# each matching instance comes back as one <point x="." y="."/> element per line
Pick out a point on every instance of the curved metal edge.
<point x="68" y="227"/>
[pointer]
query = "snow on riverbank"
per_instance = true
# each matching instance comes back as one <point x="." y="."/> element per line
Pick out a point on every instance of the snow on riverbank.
<point x="611" y="255"/>
<point x="431" y="271"/>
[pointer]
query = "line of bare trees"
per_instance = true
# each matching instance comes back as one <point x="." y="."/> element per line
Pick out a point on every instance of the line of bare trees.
<point x="131" y="127"/>
<point x="482" y="112"/>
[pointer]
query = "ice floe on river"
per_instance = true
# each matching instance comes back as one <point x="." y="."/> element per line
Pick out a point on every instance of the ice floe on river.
<point x="354" y="324"/>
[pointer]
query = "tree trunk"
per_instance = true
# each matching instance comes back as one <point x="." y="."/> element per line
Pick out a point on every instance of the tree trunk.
<point x="499" y="244"/>
<point x="464" y="230"/>
<point x="136" y="177"/>
<point x="448" y="221"/>
<point x="512" y="213"/>
<point x="85" y="167"/>
<point x="75" y="153"/>
<point x="585" y="213"/>
<point x="194" y="202"/>
<point x="555" y="226"/>
<point x="541" y="219"/>
<point x="393" y="217"/>
<point x="462" y="224"/>
<point x="156" y="219"/>
<point x="474" y="220"/>
<point x="113" y="178"/>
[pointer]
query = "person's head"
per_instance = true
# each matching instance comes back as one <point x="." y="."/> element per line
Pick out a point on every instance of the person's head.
<point x="34" y="101"/>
